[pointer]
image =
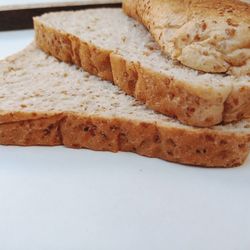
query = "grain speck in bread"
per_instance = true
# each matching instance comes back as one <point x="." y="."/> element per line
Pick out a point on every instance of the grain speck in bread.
<point x="46" y="102"/>
<point x="107" y="43"/>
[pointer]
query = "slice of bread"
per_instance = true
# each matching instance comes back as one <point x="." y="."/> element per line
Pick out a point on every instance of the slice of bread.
<point x="107" y="43"/>
<point x="212" y="36"/>
<point x="47" y="102"/>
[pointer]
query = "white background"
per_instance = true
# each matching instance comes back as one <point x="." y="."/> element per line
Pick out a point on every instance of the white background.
<point x="20" y="4"/>
<point x="8" y="2"/>
<point x="57" y="198"/>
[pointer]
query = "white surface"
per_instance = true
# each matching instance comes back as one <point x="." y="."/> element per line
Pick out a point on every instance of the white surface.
<point x="13" y="41"/>
<point x="4" y="2"/>
<point x="20" y="4"/>
<point x="57" y="198"/>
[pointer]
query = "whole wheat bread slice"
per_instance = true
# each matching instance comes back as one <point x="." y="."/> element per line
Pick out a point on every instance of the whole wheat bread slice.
<point x="107" y="43"/>
<point x="47" y="102"/>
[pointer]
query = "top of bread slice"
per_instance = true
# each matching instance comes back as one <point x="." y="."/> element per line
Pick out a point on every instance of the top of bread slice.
<point x="45" y="102"/>
<point x="211" y="36"/>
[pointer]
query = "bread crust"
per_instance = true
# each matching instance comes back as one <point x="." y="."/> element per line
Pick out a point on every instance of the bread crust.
<point x="164" y="94"/>
<point x="200" y="147"/>
<point x="211" y="36"/>
<point x="158" y="91"/>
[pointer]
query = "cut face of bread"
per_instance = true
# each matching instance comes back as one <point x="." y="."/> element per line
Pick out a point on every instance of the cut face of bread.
<point x="47" y="102"/>
<point x="211" y="36"/>
<point x="107" y="43"/>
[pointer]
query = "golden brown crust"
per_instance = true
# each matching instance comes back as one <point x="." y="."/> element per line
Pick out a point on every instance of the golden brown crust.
<point x="20" y="116"/>
<point x="164" y="94"/>
<point x="42" y="131"/>
<point x="160" y="92"/>
<point x="237" y="104"/>
<point x="231" y="8"/>
<point x="71" y="50"/>
<point x="201" y="147"/>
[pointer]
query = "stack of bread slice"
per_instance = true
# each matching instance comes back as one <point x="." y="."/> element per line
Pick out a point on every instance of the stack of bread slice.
<point x="98" y="79"/>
